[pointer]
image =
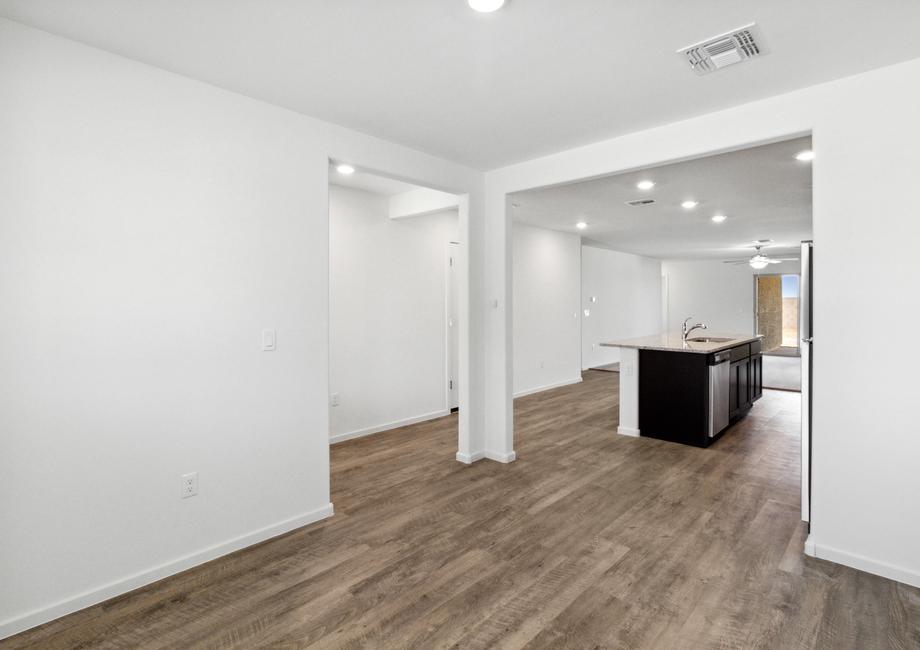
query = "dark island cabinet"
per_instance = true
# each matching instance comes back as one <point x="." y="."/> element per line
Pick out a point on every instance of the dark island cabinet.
<point x="746" y="379"/>
<point x="756" y="377"/>
<point x="739" y="390"/>
<point x="674" y="392"/>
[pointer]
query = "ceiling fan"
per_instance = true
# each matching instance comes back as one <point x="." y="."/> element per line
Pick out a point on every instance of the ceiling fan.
<point x="760" y="260"/>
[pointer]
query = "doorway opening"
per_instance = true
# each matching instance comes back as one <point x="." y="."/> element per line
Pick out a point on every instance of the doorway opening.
<point x="684" y="240"/>
<point x="777" y="312"/>
<point x="395" y="282"/>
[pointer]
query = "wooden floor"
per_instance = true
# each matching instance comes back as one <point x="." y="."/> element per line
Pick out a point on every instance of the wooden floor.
<point x="589" y="540"/>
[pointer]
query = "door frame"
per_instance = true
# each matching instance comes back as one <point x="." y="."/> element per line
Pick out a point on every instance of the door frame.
<point x="452" y="265"/>
<point x="467" y="203"/>
<point x="798" y="342"/>
<point x="806" y="333"/>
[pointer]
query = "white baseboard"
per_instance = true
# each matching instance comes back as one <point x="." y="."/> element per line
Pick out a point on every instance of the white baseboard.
<point x="501" y="458"/>
<point x="360" y="433"/>
<point x="540" y="389"/>
<point x="862" y="563"/>
<point x="809" y="546"/>
<point x="23" y="622"/>
<point x="628" y="431"/>
<point x="469" y="459"/>
<point x="491" y="455"/>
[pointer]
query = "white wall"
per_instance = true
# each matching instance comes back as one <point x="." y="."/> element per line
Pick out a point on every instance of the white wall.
<point x="865" y="441"/>
<point x="420" y="202"/>
<point x="554" y="278"/>
<point x="547" y="281"/>
<point x="387" y="321"/>
<point x="720" y="295"/>
<point x="627" y="288"/>
<point x="150" y="227"/>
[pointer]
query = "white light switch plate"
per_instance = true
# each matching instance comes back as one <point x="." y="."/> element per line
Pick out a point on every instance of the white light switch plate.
<point x="269" y="339"/>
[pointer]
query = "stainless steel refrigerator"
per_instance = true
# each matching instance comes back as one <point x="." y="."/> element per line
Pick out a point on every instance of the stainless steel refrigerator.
<point x="806" y="332"/>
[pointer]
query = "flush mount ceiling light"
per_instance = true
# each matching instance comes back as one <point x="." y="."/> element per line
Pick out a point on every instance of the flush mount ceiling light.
<point x="581" y="225"/>
<point x="805" y="156"/>
<point x="645" y="185"/>
<point x="345" y="169"/>
<point x="689" y="204"/>
<point x="486" y="6"/>
<point x="719" y="218"/>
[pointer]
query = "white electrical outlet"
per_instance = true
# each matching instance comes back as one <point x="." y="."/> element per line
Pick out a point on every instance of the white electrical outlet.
<point x="334" y="399"/>
<point x="629" y="370"/>
<point x="189" y="485"/>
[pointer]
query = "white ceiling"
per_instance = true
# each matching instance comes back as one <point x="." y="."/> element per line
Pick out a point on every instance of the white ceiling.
<point x="764" y="191"/>
<point x="369" y="182"/>
<point x="487" y="89"/>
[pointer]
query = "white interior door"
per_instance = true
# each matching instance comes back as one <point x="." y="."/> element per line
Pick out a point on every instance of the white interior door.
<point x="453" y="329"/>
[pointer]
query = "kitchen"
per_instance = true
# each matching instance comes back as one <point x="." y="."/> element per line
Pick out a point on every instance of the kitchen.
<point x="721" y="238"/>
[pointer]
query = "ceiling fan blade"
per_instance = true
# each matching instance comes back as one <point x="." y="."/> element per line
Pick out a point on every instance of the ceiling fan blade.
<point x="735" y="261"/>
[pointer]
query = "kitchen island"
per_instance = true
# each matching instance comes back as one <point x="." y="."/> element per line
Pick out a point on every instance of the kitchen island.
<point x="687" y="391"/>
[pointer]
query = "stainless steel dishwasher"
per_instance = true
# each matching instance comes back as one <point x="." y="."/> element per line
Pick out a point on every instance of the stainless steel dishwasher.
<point x="719" y="381"/>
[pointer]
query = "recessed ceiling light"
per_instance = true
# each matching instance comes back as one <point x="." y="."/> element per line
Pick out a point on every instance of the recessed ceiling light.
<point x="805" y="156"/>
<point x="486" y="6"/>
<point x="581" y="225"/>
<point x="645" y="185"/>
<point x="689" y="204"/>
<point x="719" y="218"/>
<point x="345" y="169"/>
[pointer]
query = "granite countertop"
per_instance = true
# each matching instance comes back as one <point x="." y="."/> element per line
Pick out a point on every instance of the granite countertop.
<point x="673" y="341"/>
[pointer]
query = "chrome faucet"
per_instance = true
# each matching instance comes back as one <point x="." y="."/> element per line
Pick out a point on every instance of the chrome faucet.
<point x="698" y="326"/>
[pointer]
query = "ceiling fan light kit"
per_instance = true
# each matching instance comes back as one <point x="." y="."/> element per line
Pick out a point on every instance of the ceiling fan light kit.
<point x="759" y="260"/>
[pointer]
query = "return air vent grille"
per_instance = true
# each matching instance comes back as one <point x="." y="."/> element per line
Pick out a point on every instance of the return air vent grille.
<point x="724" y="50"/>
<point x="747" y="43"/>
<point x="638" y="203"/>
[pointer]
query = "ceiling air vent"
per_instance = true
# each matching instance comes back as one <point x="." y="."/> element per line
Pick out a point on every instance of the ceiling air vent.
<point x="638" y="203"/>
<point x="725" y="49"/>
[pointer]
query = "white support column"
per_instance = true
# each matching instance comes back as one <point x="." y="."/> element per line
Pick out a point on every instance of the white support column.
<point x="499" y="401"/>
<point x="629" y="392"/>
<point x="469" y="440"/>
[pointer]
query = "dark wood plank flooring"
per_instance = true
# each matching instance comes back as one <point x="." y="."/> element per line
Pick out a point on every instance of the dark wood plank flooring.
<point x="589" y="540"/>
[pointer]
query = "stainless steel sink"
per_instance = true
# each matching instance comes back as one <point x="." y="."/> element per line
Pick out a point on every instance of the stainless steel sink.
<point x="709" y="339"/>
